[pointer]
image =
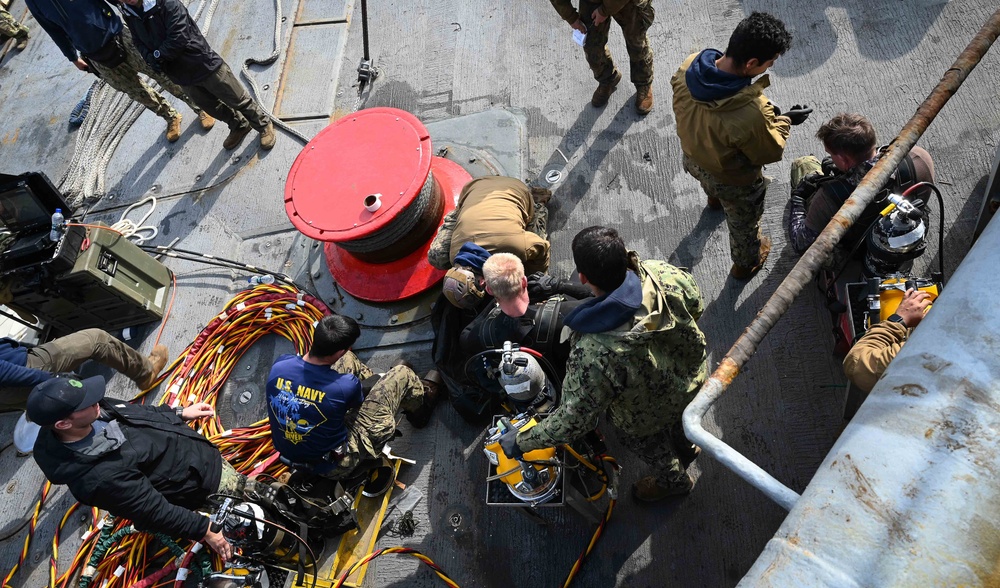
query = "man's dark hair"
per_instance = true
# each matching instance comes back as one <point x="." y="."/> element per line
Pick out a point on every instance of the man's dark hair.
<point x="760" y="36"/>
<point x="848" y="133"/>
<point x="334" y="333"/>
<point x="600" y="255"/>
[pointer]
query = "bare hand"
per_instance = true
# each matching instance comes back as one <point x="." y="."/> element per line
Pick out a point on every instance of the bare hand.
<point x="81" y="65"/>
<point x="578" y="25"/>
<point x="913" y="307"/>
<point x="598" y="16"/>
<point x="197" y="410"/>
<point x="218" y="544"/>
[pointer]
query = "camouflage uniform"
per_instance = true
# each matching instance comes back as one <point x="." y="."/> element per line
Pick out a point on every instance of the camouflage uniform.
<point x="374" y="423"/>
<point x="230" y="481"/>
<point x="9" y="27"/>
<point x="744" y="205"/>
<point x="125" y="78"/>
<point x="440" y="253"/>
<point x="644" y="376"/>
<point x="634" y="17"/>
<point x="803" y="166"/>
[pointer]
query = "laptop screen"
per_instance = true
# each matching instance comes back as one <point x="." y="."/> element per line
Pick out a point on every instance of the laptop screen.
<point x="19" y="209"/>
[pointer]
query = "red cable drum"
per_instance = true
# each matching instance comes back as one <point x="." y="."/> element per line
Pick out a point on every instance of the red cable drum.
<point x="370" y="188"/>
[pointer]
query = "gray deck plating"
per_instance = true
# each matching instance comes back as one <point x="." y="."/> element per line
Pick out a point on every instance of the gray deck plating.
<point x="439" y="59"/>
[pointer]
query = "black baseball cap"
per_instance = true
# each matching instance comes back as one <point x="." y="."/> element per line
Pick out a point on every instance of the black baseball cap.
<point x="62" y="395"/>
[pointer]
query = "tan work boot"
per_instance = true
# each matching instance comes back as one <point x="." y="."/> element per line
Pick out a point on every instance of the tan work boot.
<point x="267" y="137"/>
<point x="174" y="128"/>
<point x="649" y="490"/>
<point x="207" y="120"/>
<point x="745" y="273"/>
<point x="644" y="99"/>
<point x="158" y="358"/>
<point x="21" y="43"/>
<point x="235" y="137"/>
<point x="714" y="203"/>
<point x="604" y="91"/>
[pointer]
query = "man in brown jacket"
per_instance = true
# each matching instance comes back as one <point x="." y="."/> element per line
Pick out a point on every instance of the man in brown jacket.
<point x="594" y="21"/>
<point x="820" y="189"/>
<point x="498" y="214"/>
<point x="872" y="353"/>
<point x="729" y="130"/>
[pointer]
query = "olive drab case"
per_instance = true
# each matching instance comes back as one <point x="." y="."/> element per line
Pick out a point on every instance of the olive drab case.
<point x="90" y="277"/>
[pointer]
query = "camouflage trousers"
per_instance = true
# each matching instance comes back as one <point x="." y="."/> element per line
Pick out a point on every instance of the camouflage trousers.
<point x="125" y="78"/>
<point x="374" y="423"/>
<point x="802" y="167"/>
<point x="9" y="27"/>
<point x="659" y="451"/>
<point x="439" y="254"/>
<point x="231" y="481"/>
<point x="743" y="205"/>
<point x="635" y="18"/>
<point x="66" y="354"/>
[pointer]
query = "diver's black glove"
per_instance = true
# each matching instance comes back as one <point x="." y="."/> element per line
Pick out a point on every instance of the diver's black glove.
<point x="542" y="286"/>
<point x="798" y="114"/>
<point x="508" y="442"/>
<point x="807" y="186"/>
<point x="829" y="169"/>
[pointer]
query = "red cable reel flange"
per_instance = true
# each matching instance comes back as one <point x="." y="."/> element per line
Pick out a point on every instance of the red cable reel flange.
<point x="370" y="188"/>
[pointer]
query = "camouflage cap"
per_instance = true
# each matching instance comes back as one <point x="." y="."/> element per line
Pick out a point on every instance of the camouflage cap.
<point x="461" y="287"/>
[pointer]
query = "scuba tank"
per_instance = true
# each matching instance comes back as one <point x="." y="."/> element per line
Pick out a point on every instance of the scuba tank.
<point x="524" y="381"/>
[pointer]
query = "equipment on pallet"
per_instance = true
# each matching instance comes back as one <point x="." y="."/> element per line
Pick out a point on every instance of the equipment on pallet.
<point x="542" y="477"/>
<point x="875" y="300"/>
<point x="894" y="240"/>
<point x="89" y="277"/>
<point x="534" y="479"/>
<point x="281" y="524"/>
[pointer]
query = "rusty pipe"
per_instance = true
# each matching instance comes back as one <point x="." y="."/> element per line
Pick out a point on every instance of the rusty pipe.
<point x="807" y="267"/>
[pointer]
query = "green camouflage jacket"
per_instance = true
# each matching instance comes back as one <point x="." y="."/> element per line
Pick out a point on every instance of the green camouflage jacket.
<point x="643" y="373"/>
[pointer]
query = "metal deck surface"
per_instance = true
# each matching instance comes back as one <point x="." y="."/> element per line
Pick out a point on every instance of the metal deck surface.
<point x="443" y="58"/>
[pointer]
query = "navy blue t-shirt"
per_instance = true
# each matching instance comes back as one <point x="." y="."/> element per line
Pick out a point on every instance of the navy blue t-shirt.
<point x="306" y="404"/>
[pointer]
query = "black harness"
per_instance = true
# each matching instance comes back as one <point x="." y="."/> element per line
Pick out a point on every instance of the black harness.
<point x="842" y="185"/>
<point x="540" y="333"/>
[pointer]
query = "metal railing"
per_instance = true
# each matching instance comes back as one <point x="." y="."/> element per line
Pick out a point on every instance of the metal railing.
<point x="807" y="267"/>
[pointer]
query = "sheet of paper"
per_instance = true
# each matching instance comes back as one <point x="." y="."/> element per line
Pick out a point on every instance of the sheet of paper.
<point x="579" y="37"/>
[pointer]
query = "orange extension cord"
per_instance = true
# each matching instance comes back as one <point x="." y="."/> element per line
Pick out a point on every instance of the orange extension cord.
<point x="197" y="375"/>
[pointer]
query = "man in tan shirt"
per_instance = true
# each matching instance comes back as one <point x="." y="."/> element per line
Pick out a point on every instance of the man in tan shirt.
<point x="872" y="353"/>
<point x="500" y="215"/>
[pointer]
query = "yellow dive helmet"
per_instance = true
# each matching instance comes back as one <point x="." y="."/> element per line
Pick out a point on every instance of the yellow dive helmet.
<point x="534" y="479"/>
<point x="893" y="288"/>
